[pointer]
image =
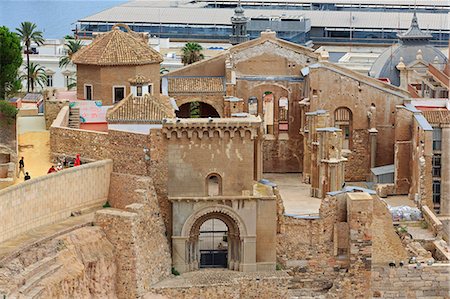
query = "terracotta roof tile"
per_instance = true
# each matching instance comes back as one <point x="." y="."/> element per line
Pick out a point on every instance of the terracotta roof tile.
<point x="190" y="85"/>
<point x="436" y="117"/>
<point x="145" y="109"/>
<point x="117" y="47"/>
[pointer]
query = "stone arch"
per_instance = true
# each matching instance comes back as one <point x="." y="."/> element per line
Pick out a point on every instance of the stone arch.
<point x="209" y="184"/>
<point x="236" y="232"/>
<point x="343" y="119"/>
<point x="217" y="209"/>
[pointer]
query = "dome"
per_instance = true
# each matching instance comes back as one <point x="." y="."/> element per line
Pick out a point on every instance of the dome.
<point x="117" y="47"/>
<point x="413" y="44"/>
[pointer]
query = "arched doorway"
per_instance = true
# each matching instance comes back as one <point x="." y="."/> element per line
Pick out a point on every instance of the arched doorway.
<point x="214" y="241"/>
<point x="213" y="244"/>
<point x="196" y="110"/>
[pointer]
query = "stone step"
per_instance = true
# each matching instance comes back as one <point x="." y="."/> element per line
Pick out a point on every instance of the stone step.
<point x="35" y="293"/>
<point x="37" y="267"/>
<point x="32" y="283"/>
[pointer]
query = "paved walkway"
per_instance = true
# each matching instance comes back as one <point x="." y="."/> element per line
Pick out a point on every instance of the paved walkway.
<point x="40" y="234"/>
<point x="294" y="193"/>
<point x="34" y="146"/>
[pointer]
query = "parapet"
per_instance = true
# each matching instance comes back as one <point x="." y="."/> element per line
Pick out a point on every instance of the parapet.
<point x="209" y="127"/>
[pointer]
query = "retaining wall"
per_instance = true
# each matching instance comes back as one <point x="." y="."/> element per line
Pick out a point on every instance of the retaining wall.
<point x="52" y="198"/>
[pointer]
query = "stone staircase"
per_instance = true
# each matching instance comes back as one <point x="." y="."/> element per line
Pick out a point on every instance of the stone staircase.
<point x="33" y="275"/>
<point x="74" y="118"/>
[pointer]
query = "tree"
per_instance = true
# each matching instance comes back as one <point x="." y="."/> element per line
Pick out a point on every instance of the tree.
<point x="36" y="75"/>
<point x="10" y="61"/>
<point x="73" y="45"/>
<point x="191" y="53"/>
<point x="28" y="33"/>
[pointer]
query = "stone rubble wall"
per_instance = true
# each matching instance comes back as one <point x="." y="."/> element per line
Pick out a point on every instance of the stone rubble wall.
<point x="141" y="248"/>
<point x="248" y="288"/>
<point x="408" y="282"/>
<point x="52" y="198"/>
<point x="51" y="110"/>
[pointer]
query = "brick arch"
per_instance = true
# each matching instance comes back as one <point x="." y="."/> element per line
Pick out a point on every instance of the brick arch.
<point x="212" y="102"/>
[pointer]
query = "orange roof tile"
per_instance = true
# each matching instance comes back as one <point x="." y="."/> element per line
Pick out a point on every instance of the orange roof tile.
<point x="117" y="47"/>
<point x="436" y="117"/>
<point x="192" y="85"/>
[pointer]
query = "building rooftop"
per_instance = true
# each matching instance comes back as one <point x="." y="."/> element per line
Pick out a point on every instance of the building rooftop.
<point x="117" y="47"/>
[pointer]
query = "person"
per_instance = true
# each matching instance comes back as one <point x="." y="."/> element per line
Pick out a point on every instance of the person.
<point x="51" y="169"/>
<point x="26" y="177"/>
<point x="59" y="167"/>
<point x="65" y="161"/>
<point x="21" y="167"/>
<point x="77" y="161"/>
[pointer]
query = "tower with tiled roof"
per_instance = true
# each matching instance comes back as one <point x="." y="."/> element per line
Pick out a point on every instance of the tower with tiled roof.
<point x="105" y="66"/>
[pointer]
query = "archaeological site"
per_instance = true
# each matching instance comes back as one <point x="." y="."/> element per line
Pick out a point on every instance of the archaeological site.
<point x="266" y="171"/>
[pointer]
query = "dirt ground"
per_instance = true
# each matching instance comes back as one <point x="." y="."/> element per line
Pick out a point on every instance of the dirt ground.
<point x="34" y="146"/>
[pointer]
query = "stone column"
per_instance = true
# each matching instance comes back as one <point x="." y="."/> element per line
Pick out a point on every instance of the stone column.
<point x="179" y="253"/>
<point x="445" y="171"/>
<point x="248" y="254"/>
<point x="373" y="146"/>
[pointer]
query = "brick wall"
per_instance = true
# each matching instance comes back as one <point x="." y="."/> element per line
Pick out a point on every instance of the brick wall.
<point x="52" y="198"/>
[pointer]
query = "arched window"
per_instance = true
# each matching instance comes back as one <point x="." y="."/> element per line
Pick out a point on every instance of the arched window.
<point x="283" y="116"/>
<point x="253" y="106"/>
<point x="343" y="121"/>
<point x="214" y="185"/>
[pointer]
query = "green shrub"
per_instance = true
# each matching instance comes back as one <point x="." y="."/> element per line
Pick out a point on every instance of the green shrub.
<point x="175" y="272"/>
<point x="8" y="111"/>
<point x="278" y="267"/>
<point x="107" y="205"/>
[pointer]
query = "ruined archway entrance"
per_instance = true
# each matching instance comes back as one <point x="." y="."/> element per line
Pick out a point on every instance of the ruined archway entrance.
<point x="196" y="110"/>
<point x="214" y="241"/>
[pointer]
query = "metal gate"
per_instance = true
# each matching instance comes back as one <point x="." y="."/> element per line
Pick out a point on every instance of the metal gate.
<point x="213" y="244"/>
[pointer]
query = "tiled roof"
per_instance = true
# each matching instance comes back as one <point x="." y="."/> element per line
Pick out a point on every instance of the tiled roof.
<point x="145" y="109"/>
<point x="117" y="47"/>
<point x="193" y="85"/>
<point x="435" y="117"/>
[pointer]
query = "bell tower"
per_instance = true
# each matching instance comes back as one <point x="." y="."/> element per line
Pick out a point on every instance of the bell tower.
<point x="239" y="22"/>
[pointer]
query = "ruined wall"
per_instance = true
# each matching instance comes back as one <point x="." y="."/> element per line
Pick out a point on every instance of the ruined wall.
<point x="261" y="286"/>
<point x="305" y="247"/>
<point x="78" y="264"/>
<point x="332" y="87"/>
<point x="52" y="198"/>
<point x="409" y="282"/>
<point x="141" y="249"/>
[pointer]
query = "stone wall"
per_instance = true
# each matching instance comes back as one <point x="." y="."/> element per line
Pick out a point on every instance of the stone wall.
<point x="52" y="198"/>
<point x="409" y="282"/>
<point x="140" y="245"/>
<point x="256" y="286"/>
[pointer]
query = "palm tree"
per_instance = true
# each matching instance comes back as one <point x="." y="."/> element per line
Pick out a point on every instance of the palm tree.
<point x="73" y="45"/>
<point x="191" y="53"/>
<point x="28" y="33"/>
<point x="35" y="75"/>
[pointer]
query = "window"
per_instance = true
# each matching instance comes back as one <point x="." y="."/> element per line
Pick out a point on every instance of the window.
<point x="150" y="88"/>
<point x="343" y="121"/>
<point x="253" y="106"/>
<point x="214" y="185"/>
<point x="88" y="92"/>
<point x="139" y="90"/>
<point x="119" y="94"/>
<point x="49" y="80"/>
<point x="436" y="166"/>
<point x="437" y="196"/>
<point x="283" y="106"/>
<point x="437" y="138"/>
